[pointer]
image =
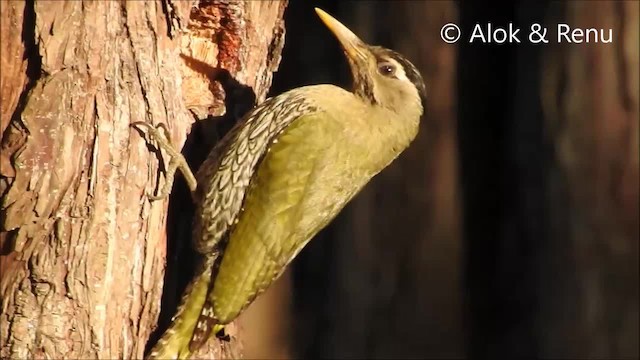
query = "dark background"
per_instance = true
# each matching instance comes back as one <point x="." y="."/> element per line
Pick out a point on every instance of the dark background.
<point x="510" y="227"/>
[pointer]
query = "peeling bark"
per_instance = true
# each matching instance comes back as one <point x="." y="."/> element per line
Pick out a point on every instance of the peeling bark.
<point x="83" y="249"/>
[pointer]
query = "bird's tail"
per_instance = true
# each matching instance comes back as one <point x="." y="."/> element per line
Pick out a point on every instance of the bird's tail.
<point x="174" y="343"/>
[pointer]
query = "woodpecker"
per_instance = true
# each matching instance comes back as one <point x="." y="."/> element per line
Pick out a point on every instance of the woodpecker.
<point x="280" y="176"/>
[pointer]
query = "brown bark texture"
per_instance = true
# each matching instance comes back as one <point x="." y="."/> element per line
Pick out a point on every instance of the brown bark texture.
<point x="590" y="98"/>
<point x="83" y="248"/>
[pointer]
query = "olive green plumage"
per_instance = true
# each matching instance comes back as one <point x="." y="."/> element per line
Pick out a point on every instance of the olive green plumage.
<point x="281" y="175"/>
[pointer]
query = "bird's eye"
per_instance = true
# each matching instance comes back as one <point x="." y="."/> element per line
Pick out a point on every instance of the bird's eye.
<point x="386" y="69"/>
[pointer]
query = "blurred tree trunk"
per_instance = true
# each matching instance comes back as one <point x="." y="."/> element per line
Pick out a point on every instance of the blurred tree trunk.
<point x="83" y="249"/>
<point x="590" y="98"/>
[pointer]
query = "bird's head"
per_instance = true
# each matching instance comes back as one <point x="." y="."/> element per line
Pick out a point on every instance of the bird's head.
<point x="381" y="76"/>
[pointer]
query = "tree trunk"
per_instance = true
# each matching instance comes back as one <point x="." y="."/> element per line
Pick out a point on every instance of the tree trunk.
<point x="83" y="248"/>
<point x="590" y="97"/>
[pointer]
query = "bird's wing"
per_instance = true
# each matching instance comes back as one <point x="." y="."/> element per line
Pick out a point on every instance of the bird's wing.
<point x="295" y="192"/>
<point x="225" y="175"/>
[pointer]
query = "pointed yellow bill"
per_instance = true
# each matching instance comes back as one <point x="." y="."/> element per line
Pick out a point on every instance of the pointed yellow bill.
<point x="351" y="44"/>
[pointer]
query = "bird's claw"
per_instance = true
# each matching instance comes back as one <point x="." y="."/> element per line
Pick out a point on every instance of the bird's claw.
<point x="152" y="197"/>
<point x="160" y="134"/>
<point x="163" y="139"/>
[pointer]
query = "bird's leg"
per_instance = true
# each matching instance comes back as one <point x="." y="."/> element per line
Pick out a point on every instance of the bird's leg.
<point x="176" y="162"/>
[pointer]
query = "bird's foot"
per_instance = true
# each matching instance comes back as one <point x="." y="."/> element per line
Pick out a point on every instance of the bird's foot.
<point x="177" y="161"/>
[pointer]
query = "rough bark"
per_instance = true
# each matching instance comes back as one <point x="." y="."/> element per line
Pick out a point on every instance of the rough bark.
<point x="590" y="97"/>
<point x="83" y="249"/>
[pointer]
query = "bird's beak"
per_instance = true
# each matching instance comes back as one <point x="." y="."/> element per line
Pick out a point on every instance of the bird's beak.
<point x="352" y="45"/>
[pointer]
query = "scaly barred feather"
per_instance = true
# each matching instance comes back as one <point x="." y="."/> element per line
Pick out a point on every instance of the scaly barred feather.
<point x="225" y="175"/>
<point x="224" y="180"/>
